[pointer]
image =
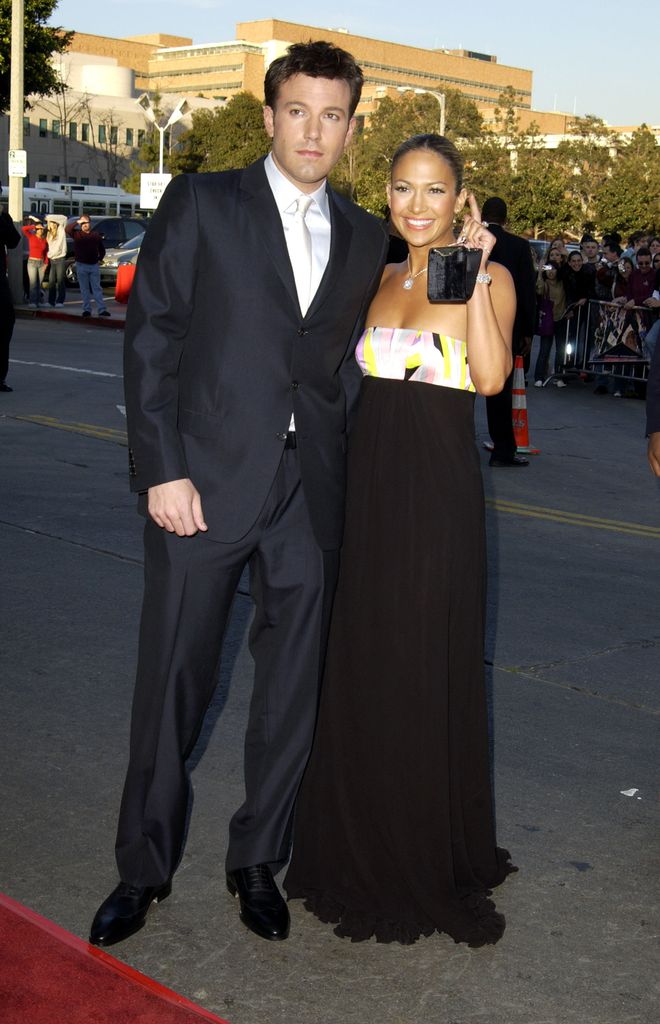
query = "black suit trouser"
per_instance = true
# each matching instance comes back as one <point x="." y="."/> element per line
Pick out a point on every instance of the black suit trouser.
<point x="7" y="321"/>
<point x="500" y="421"/>
<point x="189" y="587"/>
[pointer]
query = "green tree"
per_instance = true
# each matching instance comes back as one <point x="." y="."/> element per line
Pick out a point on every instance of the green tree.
<point x="541" y="200"/>
<point x="41" y="40"/>
<point x="488" y="170"/>
<point x="227" y="137"/>
<point x="588" y="155"/>
<point x="630" y="197"/>
<point x="365" y="170"/>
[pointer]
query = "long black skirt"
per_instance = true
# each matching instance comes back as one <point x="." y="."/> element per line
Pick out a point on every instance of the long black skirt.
<point x="394" y="832"/>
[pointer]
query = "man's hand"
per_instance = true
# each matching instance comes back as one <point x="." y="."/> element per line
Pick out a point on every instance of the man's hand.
<point x="654" y="453"/>
<point x="526" y="347"/>
<point x="177" y="507"/>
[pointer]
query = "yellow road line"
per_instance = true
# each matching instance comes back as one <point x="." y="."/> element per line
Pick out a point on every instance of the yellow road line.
<point x="574" y="518"/>
<point x="88" y="429"/>
<point x="555" y="515"/>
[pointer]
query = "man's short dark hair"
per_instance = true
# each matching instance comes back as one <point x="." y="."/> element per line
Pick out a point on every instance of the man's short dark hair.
<point x="495" y="209"/>
<point x="586" y="239"/>
<point x="612" y="246"/>
<point x="318" y="60"/>
<point x="643" y="251"/>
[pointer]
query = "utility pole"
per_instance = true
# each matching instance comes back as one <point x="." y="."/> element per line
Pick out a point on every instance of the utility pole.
<point x="16" y="109"/>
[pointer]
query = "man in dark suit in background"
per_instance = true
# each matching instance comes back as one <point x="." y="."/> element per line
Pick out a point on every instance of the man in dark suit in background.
<point x="240" y="376"/>
<point x="514" y="254"/>
<point x="653" y="412"/>
<point x="9" y="239"/>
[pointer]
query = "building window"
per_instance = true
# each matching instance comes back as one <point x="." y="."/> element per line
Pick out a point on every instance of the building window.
<point x="102" y="135"/>
<point x="129" y="136"/>
<point x="42" y="177"/>
<point x="114" y="135"/>
<point x="26" y="126"/>
<point x="100" y="181"/>
<point x="55" y="177"/>
<point x="84" y="132"/>
<point x="43" y="128"/>
<point x="140" y="136"/>
<point x="56" y="129"/>
<point x="72" y="180"/>
<point x="73" y="130"/>
<point x="84" y="181"/>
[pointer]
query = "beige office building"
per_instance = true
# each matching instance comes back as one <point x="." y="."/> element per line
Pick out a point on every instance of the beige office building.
<point x="219" y="70"/>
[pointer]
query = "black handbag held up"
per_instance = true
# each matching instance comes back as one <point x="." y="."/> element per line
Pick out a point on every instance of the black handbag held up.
<point x="452" y="273"/>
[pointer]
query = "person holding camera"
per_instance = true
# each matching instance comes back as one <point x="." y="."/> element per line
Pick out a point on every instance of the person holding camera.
<point x="35" y="232"/>
<point x="56" y="236"/>
<point x="89" y="250"/>
<point x="394" y="831"/>
<point x="550" y="288"/>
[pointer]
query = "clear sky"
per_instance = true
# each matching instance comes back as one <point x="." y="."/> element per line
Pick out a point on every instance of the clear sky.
<point x="597" y="57"/>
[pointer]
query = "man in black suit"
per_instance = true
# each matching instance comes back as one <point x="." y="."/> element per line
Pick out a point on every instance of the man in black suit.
<point x="514" y="254"/>
<point x="9" y="239"/>
<point x="240" y="376"/>
<point x="653" y="412"/>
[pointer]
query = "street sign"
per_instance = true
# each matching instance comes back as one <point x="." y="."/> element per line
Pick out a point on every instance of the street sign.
<point x="152" y="187"/>
<point x="17" y="163"/>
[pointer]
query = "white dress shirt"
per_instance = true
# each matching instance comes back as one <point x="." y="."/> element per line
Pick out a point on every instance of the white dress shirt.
<point x="317" y="220"/>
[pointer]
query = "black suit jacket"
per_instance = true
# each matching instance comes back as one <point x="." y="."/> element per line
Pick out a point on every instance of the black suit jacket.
<point x="218" y="354"/>
<point x="514" y="254"/>
<point x="653" y="394"/>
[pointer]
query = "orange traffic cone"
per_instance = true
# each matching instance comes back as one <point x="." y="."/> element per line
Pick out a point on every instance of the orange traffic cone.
<point x="519" y="409"/>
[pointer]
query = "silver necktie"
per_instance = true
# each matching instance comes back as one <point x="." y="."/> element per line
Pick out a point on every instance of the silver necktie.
<point x="301" y="250"/>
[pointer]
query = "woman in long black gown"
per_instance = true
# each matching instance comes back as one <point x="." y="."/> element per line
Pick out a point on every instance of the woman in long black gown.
<point x="394" y="833"/>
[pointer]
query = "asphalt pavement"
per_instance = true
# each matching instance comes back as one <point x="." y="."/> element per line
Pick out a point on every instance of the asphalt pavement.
<point x="573" y="641"/>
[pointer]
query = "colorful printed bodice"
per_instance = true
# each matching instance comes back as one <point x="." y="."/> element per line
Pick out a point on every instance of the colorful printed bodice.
<point x="403" y="354"/>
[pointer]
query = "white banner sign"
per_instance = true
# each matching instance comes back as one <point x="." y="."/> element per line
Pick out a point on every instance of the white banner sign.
<point x="152" y="187"/>
<point x="17" y="163"/>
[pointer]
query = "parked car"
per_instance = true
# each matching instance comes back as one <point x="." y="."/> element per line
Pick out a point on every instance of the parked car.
<point x="115" y="231"/>
<point x="126" y="253"/>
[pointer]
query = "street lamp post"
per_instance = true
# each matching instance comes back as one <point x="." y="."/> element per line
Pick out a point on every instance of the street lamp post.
<point x="439" y="96"/>
<point x="179" y="111"/>
<point x="16" y="111"/>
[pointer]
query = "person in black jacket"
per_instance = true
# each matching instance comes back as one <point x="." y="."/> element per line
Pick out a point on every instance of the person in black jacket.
<point x="248" y="299"/>
<point x="514" y="254"/>
<point x="653" y="412"/>
<point x="9" y="239"/>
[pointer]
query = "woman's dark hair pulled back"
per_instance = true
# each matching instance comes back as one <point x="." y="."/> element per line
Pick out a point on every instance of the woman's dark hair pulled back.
<point x="437" y="144"/>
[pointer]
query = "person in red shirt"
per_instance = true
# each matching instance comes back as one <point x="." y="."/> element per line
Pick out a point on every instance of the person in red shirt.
<point x="641" y="283"/>
<point x="35" y="233"/>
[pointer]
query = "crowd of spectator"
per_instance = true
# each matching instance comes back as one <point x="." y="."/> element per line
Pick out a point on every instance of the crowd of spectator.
<point x="569" y="276"/>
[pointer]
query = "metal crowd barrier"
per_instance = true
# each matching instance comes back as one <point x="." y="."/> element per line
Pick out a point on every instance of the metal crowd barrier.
<point x="604" y="338"/>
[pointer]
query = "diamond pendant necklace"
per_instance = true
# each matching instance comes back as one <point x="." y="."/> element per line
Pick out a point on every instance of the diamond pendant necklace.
<point x="410" y="279"/>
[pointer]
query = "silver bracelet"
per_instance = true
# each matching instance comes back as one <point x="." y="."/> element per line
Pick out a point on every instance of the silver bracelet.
<point x="484" y="279"/>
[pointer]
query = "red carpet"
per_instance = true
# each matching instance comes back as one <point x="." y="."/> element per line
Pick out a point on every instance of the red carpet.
<point x="48" y="976"/>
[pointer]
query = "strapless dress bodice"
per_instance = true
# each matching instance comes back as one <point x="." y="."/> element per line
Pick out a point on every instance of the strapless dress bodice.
<point x="400" y="353"/>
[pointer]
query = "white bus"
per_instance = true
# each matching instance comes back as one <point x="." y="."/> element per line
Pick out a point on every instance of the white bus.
<point x="74" y="200"/>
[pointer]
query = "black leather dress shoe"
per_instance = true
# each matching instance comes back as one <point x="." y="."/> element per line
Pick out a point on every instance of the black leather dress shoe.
<point x="263" y="909"/>
<point x="514" y="461"/>
<point x="124" y="912"/>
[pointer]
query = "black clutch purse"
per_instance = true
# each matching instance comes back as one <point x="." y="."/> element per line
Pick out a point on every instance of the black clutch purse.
<point x="452" y="273"/>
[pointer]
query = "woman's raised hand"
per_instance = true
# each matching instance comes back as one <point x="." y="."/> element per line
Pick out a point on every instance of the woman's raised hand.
<point x="474" y="233"/>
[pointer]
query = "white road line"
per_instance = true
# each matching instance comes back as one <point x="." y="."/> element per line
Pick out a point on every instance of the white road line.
<point x="70" y="369"/>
